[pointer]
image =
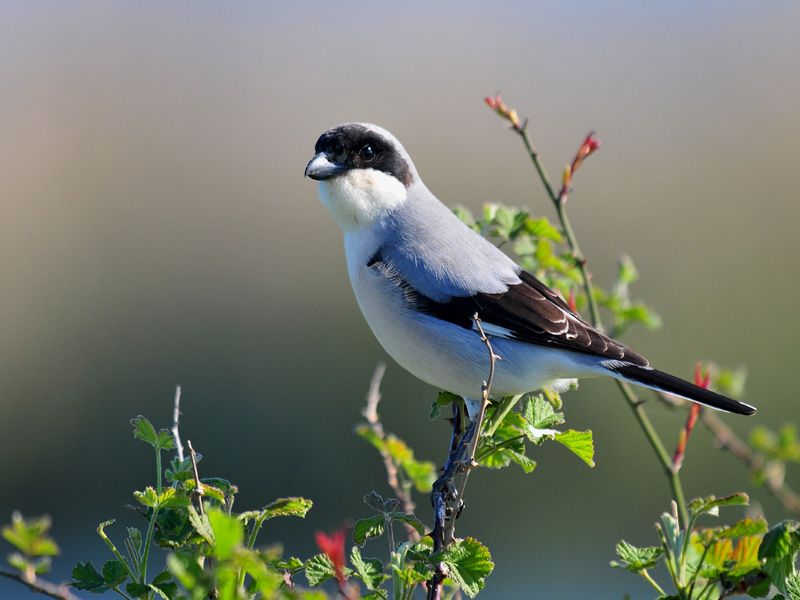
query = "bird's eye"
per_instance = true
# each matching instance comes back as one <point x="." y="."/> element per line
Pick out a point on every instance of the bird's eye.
<point x="367" y="153"/>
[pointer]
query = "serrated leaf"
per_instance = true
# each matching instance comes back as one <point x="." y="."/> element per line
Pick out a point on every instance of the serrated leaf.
<point x="369" y="570"/>
<point x="370" y="527"/>
<point x="469" y="563"/>
<point x="540" y="414"/>
<point x="744" y="527"/>
<point x="580" y="443"/>
<point x="114" y="573"/>
<point x="710" y="504"/>
<point x="201" y="525"/>
<point x="143" y="430"/>
<point x="85" y="577"/>
<point x="149" y="497"/>
<point x="287" y="507"/>
<point x="793" y="586"/>
<point x="319" y="569"/>
<point x="635" y="559"/>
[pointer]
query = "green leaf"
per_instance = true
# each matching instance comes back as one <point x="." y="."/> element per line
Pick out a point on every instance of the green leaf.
<point x="469" y="563"/>
<point x="409" y="520"/>
<point x="143" y="430"/>
<point x="85" y="577"/>
<point x="149" y="497"/>
<point x="319" y="569"/>
<point x="793" y="586"/>
<point x="201" y="525"/>
<point x="137" y="590"/>
<point x="370" y="527"/>
<point x="29" y="536"/>
<point x="710" y="504"/>
<point x="635" y="559"/>
<point x="114" y="573"/>
<point x="228" y="532"/>
<point x="540" y="414"/>
<point x="287" y="507"/>
<point x="580" y="443"/>
<point x="542" y="228"/>
<point x="527" y="464"/>
<point x="442" y="399"/>
<point x="369" y="570"/>
<point x="743" y="528"/>
<point x="782" y="540"/>
<point x="778" y="550"/>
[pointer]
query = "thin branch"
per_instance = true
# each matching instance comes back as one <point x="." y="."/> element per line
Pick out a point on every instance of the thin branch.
<point x="559" y="203"/>
<point x="198" y="487"/>
<point x="370" y="413"/>
<point x="176" y="415"/>
<point x="40" y="586"/>
<point x="726" y="439"/>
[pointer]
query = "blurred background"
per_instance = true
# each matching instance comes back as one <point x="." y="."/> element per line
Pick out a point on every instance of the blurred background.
<point x="155" y="229"/>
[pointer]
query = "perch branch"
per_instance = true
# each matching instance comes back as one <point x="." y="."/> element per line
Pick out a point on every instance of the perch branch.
<point x="446" y="498"/>
<point x="40" y="586"/>
<point x="198" y="487"/>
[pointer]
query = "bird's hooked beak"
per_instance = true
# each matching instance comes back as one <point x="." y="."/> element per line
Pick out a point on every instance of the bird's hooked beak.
<point x="321" y="167"/>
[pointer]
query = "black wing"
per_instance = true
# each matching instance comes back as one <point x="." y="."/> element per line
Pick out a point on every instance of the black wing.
<point x="529" y="311"/>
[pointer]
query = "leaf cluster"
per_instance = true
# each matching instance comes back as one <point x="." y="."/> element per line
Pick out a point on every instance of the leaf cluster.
<point x="746" y="558"/>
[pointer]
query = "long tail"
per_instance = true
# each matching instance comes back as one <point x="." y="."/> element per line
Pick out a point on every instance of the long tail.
<point x="664" y="382"/>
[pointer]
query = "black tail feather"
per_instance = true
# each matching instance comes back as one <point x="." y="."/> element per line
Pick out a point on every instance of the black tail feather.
<point x="674" y="385"/>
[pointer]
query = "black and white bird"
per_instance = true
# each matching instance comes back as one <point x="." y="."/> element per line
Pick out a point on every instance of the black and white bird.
<point x="419" y="275"/>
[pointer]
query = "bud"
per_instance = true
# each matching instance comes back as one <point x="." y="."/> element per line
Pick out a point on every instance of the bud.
<point x="573" y="305"/>
<point x="587" y="148"/>
<point x="509" y="114"/>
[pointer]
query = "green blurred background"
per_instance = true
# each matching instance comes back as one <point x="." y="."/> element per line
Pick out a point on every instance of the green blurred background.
<point x="156" y="229"/>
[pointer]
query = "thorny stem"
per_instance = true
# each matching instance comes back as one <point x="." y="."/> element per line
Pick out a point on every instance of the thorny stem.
<point x="559" y="203"/>
<point x="41" y="586"/>
<point x="462" y="458"/>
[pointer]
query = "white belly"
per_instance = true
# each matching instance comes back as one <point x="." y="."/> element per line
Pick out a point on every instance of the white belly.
<point x="448" y="356"/>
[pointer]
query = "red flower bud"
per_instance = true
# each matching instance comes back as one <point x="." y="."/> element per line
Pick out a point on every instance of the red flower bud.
<point x="573" y="305"/>
<point x="332" y="545"/>
<point x="587" y="148"/>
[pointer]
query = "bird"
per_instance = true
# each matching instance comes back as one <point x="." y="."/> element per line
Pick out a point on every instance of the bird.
<point x="420" y="277"/>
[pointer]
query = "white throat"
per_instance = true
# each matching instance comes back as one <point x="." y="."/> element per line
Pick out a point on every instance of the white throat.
<point x="359" y="197"/>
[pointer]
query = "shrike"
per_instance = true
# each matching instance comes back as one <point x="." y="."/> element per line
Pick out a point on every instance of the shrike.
<point x="420" y="275"/>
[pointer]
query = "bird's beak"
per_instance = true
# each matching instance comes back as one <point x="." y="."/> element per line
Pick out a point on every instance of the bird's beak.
<point x="320" y="168"/>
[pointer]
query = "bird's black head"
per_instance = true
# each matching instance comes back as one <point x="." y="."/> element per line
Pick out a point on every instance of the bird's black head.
<point x="357" y="146"/>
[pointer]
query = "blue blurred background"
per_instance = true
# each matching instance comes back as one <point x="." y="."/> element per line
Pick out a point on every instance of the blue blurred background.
<point x="156" y="229"/>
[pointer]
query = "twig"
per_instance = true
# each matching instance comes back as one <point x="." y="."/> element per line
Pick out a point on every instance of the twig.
<point x="176" y="414"/>
<point x="447" y="500"/>
<point x="370" y="413"/>
<point x="198" y="487"/>
<point x="40" y="586"/>
<point x="559" y="203"/>
<point x="725" y="438"/>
